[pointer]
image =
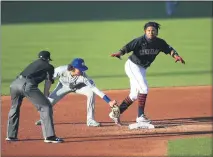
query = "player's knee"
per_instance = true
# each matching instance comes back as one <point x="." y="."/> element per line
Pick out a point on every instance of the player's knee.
<point x="46" y="108"/>
<point x="52" y="101"/>
<point x="90" y="94"/>
<point x="133" y="96"/>
<point x="144" y="90"/>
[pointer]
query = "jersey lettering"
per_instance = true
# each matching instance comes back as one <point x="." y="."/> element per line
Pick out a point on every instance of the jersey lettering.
<point x="148" y="52"/>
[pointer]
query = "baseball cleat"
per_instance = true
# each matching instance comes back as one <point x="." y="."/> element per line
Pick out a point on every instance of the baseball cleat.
<point x="11" y="139"/>
<point x="116" y="120"/>
<point x="38" y="122"/>
<point x="53" y="139"/>
<point x="93" y="123"/>
<point x="143" y="118"/>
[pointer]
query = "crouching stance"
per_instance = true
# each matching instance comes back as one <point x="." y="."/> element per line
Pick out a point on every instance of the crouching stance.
<point x="26" y="85"/>
<point x="72" y="78"/>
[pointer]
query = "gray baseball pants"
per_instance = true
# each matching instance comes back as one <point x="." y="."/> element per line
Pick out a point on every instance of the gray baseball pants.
<point x="60" y="91"/>
<point x="20" y="88"/>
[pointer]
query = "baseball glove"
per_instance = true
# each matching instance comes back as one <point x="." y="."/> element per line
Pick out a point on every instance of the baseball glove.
<point x="115" y="111"/>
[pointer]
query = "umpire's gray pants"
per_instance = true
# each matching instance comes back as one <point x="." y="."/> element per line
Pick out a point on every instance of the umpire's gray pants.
<point x="19" y="89"/>
<point x="60" y="91"/>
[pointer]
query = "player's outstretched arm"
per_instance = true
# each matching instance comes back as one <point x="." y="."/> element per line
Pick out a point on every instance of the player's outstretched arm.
<point x="111" y="103"/>
<point x="127" y="48"/>
<point x="176" y="56"/>
<point x="167" y="49"/>
<point x="104" y="96"/>
<point x="117" y="54"/>
<point x="90" y="83"/>
<point x="120" y="53"/>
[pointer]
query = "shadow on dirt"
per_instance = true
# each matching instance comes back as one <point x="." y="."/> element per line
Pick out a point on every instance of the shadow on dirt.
<point x="162" y="123"/>
<point x="27" y="140"/>
<point x="183" y="121"/>
<point x="95" y="138"/>
<point x="134" y="136"/>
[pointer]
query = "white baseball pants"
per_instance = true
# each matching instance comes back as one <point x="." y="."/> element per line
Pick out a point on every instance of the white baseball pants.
<point x="137" y="77"/>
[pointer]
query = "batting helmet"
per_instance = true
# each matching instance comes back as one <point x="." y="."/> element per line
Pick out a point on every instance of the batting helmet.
<point x="78" y="63"/>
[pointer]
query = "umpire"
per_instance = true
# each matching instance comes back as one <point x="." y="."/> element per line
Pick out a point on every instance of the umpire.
<point x="26" y="85"/>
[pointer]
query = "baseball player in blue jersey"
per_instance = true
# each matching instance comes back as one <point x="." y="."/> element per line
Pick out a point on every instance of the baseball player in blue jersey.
<point x="72" y="78"/>
<point x="145" y="49"/>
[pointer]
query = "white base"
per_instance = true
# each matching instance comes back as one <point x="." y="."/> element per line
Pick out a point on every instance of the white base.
<point x="141" y="125"/>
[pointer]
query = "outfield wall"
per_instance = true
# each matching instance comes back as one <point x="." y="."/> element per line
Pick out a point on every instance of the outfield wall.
<point x="38" y="11"/>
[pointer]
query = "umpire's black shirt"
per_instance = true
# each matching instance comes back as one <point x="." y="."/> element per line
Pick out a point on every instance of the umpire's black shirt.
<point x="145" y="51"/>
<point x="38" y="71"/>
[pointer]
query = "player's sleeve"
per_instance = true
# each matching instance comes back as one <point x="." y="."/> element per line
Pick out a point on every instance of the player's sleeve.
<point x="87" y="81"/>
<point x="90" y="83"/>
<point x="90" y="79"/>
<point x="100" y="94"/>
<point x="59" y="70"/>
<point x="131" y="46"/>
<point x="165" y="47"/>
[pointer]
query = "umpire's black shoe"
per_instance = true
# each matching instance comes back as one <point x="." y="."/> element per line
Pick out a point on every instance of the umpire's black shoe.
<point x="53" y="139"/>
<point x="11" y="139"/>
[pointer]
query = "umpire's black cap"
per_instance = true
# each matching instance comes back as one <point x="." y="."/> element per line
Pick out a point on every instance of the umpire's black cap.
<point x="44" y="55"/>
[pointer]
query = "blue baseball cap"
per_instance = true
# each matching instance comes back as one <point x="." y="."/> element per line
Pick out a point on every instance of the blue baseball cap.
<point x="78" y="63"/>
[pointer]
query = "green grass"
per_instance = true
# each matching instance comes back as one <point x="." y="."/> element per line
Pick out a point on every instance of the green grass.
<point x="196" y="147"/>
<point x="94" y="41"/>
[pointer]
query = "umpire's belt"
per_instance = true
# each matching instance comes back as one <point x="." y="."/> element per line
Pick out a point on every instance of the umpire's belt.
<point x="26" y="77"/>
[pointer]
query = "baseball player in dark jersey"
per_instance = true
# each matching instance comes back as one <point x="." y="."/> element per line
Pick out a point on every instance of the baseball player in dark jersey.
<point x="145" y="49"/>
<point x="26" y="85"/>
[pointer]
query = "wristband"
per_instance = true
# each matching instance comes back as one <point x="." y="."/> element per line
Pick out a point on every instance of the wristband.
<point x="106" y="98"/>
<point x="123" y="50"/>
<point x="174" y="53"/>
